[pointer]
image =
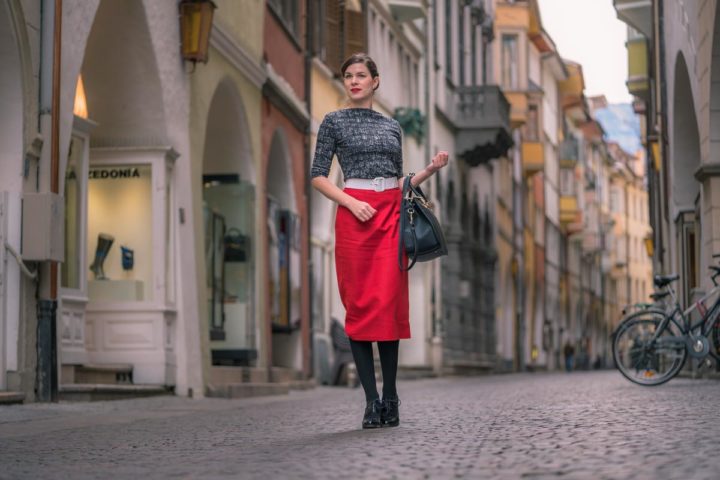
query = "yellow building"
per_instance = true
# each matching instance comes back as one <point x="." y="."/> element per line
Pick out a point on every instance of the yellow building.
<point x="520" y="43"/>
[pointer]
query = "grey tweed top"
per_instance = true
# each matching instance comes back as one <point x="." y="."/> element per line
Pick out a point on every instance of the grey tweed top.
<point x="368" y="144"/>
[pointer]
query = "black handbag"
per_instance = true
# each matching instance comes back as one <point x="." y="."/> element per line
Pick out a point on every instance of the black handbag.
<point x="421" y="236"/>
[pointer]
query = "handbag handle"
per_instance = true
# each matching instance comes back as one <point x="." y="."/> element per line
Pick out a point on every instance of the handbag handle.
<point x="407" y="186"/>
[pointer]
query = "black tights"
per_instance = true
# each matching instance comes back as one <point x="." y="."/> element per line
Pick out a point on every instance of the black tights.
<point x="365" y="364"/>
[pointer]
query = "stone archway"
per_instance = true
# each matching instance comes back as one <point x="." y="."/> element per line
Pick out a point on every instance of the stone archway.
<point x="684" y="189"/>
<point x="229" y="206"/>
<point x="12" y="117"/>
<point x="685" y="140"/>
<point x="227" y="138"/>
<point x="121" y="78"/>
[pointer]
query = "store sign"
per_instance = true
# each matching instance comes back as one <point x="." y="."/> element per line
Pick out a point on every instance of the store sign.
<point x="112" y="173"/>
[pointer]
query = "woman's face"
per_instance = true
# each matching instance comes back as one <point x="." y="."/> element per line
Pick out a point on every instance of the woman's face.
<point x="359" y="84"/>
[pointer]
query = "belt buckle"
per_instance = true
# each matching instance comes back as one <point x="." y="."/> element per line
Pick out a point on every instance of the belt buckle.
<point x="378" y="184"/>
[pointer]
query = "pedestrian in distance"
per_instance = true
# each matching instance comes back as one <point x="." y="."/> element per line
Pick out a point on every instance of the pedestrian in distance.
<point x="569" y="352"/>
<point x="373" y="289"/>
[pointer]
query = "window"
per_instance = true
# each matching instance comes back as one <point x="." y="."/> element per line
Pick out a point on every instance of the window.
<point x="473" y="53"/>
<point x="461" y="45"/>
<point x="354" y="28"/>
<point x="614" y="201"/>
<point x="118" y="200"/>
<point x="448" y="39"/>
<point x="567" y="182"/>
<point x="435" y="37"/>
<point x="531" y="127"/>
<point x="509" y="54"/>
<point x="287" y="10"/>
<point x="343" y="25"/>
<point x="318" y="14"/>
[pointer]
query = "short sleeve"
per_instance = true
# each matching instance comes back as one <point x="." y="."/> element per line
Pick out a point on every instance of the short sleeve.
<point x="324" y="149"/>
<point x="399" y="154"/>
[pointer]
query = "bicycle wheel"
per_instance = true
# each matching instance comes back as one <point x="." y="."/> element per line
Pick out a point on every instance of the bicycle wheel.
<point x="643" y="360"/>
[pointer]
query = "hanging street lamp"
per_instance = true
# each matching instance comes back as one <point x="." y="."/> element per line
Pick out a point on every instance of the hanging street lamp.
<point x="195" y="25"/>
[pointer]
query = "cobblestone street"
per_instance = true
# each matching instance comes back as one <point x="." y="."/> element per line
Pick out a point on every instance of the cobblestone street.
<point x="580" y="425"/>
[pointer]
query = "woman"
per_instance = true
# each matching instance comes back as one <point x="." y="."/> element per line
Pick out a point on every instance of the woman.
<point x="372" y="287"/>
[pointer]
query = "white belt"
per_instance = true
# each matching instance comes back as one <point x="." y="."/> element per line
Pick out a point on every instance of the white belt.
<point x="379" y="184"/>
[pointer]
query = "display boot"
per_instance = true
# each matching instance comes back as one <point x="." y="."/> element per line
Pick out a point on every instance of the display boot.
<point x="105" y="241"/>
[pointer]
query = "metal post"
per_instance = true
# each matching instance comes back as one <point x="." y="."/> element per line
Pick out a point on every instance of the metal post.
<point x="47" y="379"/>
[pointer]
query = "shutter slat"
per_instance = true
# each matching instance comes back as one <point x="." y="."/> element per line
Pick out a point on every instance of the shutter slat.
<point x="354" y="32"/>
<point x="333" y="38"/>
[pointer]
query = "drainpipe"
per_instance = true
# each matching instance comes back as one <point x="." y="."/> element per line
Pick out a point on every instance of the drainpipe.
<point x="47" y="375"/>
<point x="517" y="251"/>
<point x="661" y="212"/>
<point x="308" y="367"/>
<point x="429" y="60"/>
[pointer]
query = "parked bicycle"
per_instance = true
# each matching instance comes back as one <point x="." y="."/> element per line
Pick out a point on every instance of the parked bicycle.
<point x="651" y="345"/>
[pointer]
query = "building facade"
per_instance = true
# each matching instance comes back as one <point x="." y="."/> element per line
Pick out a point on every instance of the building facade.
<point x="181" y="199"/>
<point x="673" y="53"/>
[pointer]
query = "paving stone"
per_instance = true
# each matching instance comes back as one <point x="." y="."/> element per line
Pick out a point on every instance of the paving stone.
<point x="593" y="425"/>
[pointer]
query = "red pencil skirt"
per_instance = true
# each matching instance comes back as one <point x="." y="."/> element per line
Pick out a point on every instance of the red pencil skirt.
<point x="372" y="287"/>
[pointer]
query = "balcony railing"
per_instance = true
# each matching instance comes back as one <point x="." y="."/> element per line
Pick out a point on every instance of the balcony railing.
<point x="482" y="116"/>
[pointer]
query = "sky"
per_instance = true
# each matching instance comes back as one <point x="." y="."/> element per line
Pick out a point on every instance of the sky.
<point x="589" y="32"/>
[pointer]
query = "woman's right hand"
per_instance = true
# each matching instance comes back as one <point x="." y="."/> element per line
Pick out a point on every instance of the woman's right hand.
<point x="362" y="210"/>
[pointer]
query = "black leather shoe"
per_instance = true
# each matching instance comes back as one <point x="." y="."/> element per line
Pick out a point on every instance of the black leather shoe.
<point x="390" y="414"/>
<point x="372" y="414"/>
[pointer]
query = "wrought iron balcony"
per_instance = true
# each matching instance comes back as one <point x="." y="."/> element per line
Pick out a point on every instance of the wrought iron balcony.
<point x="482" y="119"/>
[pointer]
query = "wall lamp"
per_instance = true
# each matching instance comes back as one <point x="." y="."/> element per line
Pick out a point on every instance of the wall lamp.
<point x="196" y="18"/>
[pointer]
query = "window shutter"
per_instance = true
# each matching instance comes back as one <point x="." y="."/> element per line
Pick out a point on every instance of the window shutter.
<point x="332" y="38"/>
<point x="354" y="21"/>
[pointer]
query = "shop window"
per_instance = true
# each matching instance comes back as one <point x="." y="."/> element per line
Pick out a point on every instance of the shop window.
<point x="74" y="195"/>
<point x="689" y="246"/>
<point x="120" y="238"/>
<point x="130" y="241"/>
<point x="229" y="206"/>
<point x="284" y="255"/>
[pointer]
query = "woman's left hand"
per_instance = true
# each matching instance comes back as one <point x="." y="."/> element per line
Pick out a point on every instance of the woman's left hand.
<point x="438" y="161"/>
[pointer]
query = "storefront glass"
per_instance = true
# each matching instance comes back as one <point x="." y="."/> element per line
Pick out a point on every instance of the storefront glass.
<point x="120" y="240"/>
<point x="229" y="205"/>
<point x="70" y="271"/>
